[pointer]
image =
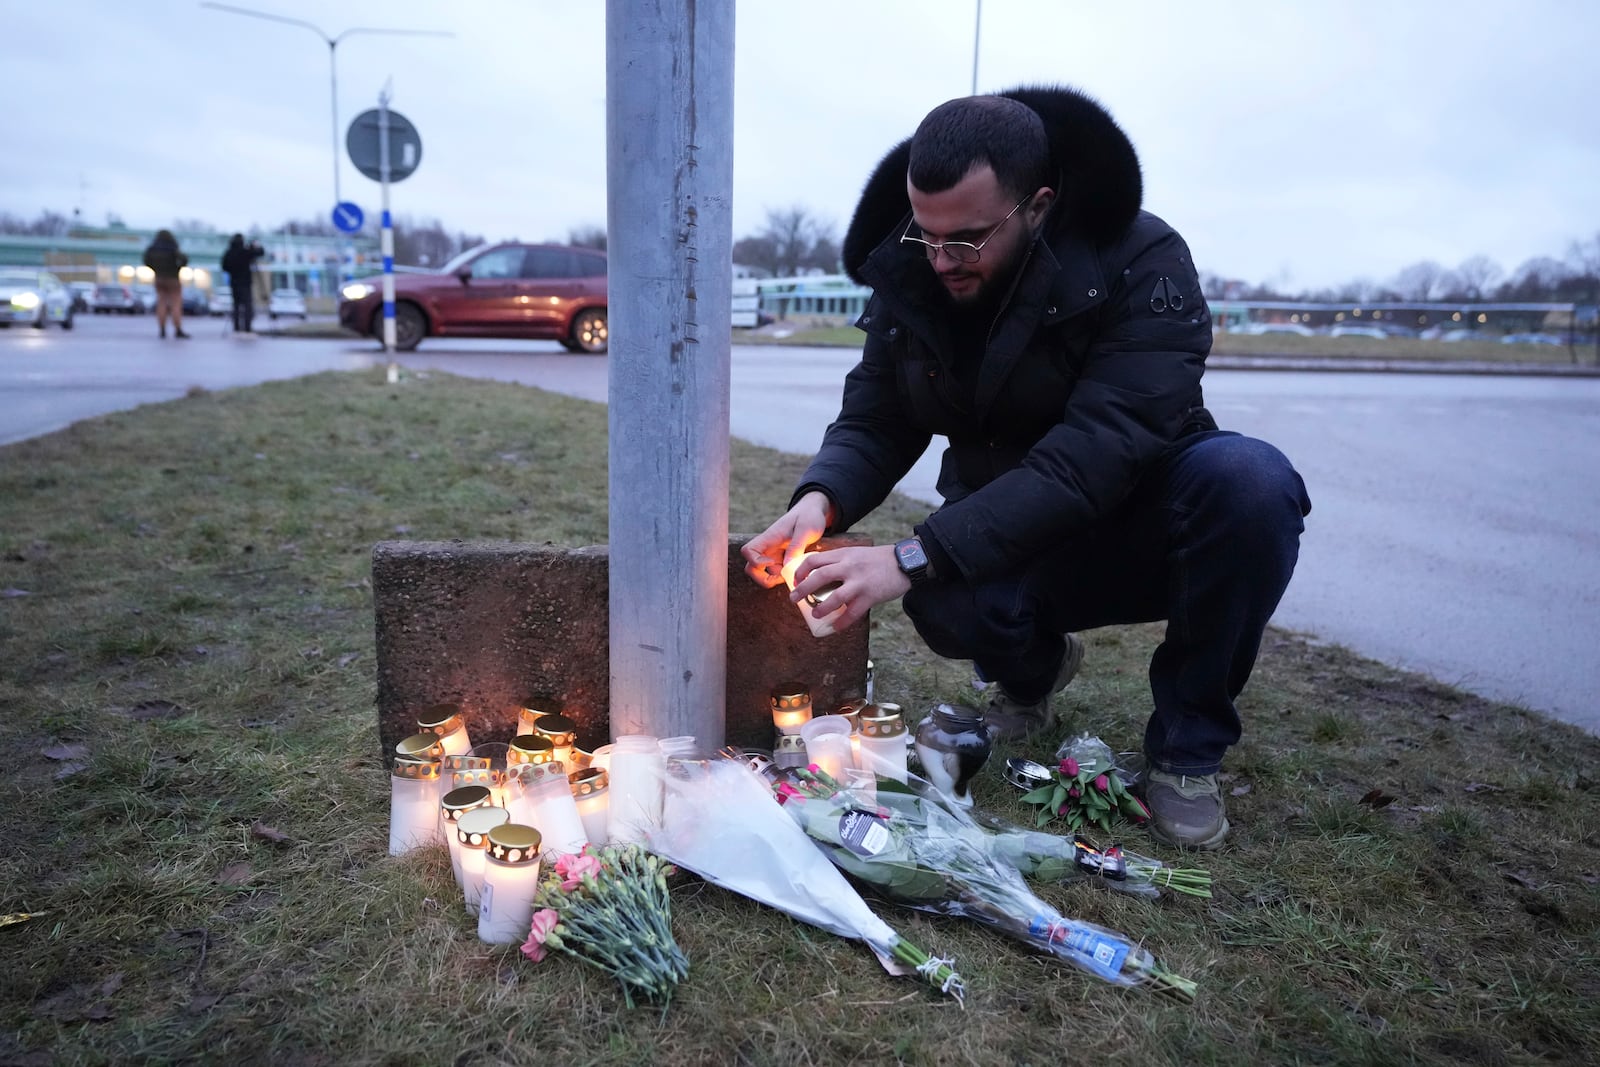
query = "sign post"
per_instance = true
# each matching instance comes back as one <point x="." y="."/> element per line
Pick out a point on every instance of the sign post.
<point x="385" y="147"/>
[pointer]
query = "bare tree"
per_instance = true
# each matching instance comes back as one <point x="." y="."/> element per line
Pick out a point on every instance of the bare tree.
<point x="1476" y="274"/>
<point x="587" y="237"/>
<point x="1421" y="281"/>
<point x="793" y="240"/>
<point x="46" y="224"/>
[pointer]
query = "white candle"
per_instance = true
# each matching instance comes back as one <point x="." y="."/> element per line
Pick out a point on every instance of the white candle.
<point x="528" y="715"/>
<point x="601" y="757"/>
<point x="413" y="805"/>
<point x="637" y="778"/>
<point x="819" y="627"/>
<point x="541" y="797"/>
<point x="563" y="734"/>
<point x="446" y="722"/>
<point x="791" y="707"/>
<point x="472" y="829"/>
<point x="451" y="807"/>
<point x="883" y="741"/>
<point x="528" y="749"/>
<point x="591" y="790"/>
<point x="827" y="739"/>
<point x="510" y="881"/>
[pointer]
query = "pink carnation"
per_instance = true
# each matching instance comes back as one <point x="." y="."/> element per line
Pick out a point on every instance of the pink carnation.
<point x="544" y="921"/>
<point x="572" y="870"/>
<point x="1069" y="767"/>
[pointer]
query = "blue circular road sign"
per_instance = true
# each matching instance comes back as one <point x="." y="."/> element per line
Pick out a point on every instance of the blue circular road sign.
<point x="347" y="217"/>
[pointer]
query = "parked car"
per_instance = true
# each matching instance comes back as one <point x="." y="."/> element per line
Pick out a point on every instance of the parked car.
<point x="221" y="302"/>
<point x="145" y="297"/>
<point x="82" y="294"/>
<point x="1276" y="327"/>
<point x="1531" y="339"/>
<point x="540" y="292"/>
<point x="195" y="301"/>
<point x="31" y="297"/>
<point x="1357" y="329"/>
<point x="113" y="299"/>
<point x="286" y="302"/>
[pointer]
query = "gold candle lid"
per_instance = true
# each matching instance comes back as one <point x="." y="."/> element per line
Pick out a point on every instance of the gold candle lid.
<point x="790" y="696"/>
<point x="514" y="843"/>
<point x="882" y="720"/>
<point x="558" y="728"/>
<point x="790" y="743"/>
<point x="588" y="781"/>
<point x="529" y="773"/>
<point x="419" y="769"/>
<point x="462" y="761"/>
<point x="530" y="748"/>
<point x="851" y="710"/>
<point x="472" y="829"/>
<point x="420" y="747"/>
<point x="440" y="719"/>
<point x="464" y="799"/>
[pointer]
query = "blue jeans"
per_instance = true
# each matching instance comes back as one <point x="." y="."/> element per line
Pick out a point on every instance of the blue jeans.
<point x="1207" y="541"/>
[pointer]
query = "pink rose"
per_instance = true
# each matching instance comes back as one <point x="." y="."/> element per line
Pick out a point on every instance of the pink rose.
<point x="1069" y="767"/>
<point x="575" y="869"/>
<point x="1101" y="784"/>
<point x="544" y="921"/>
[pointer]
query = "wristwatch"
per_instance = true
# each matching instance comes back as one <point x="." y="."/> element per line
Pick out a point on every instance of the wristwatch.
<point x="913" y="561"/>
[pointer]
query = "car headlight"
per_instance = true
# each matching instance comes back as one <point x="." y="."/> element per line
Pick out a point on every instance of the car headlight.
<point x="356" y="291"/>
<point x="29" y="301"/>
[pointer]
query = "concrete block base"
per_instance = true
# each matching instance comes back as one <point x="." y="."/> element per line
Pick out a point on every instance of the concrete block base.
<point x="491" y="625"/>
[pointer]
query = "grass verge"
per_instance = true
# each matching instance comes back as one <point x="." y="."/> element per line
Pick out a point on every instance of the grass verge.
<point x="196" y="815"/>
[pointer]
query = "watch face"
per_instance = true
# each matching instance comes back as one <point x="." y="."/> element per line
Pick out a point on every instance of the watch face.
<point x="910" y="555"/>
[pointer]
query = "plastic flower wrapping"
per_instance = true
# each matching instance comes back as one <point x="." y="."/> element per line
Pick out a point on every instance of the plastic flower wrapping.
<point x="912" y="846"/>
<point x="720" y="821"/>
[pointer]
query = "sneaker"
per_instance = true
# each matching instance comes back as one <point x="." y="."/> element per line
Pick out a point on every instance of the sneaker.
<point x="1009" y="719"/>
<point x="1185" y="809"/>
<point x="183" y="335"/>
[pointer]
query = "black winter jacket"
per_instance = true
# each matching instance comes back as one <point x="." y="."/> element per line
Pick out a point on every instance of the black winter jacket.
<point x="237" y="261"/>
<point x="1091" y="370"/>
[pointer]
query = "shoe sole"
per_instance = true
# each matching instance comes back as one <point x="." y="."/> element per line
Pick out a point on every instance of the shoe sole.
<point x="1204" y="846"/>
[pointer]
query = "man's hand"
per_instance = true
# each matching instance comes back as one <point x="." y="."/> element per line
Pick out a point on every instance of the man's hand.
<point x="862" y="579"/>
<point x="786" y="540"/>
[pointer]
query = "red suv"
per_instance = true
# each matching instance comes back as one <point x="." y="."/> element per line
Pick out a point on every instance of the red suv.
<point x="542" y="292"/>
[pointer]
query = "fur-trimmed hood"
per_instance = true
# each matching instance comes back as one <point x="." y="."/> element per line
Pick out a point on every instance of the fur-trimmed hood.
<point x="1098" y="195"/>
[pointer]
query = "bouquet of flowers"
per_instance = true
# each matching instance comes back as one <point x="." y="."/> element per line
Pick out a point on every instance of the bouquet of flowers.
<point x="720" y="822"/>
<point x="913" y="847"/>
<point x="1051" y="858"/>
<point x="609" y="908"/>
<point x="1087" y="789"/>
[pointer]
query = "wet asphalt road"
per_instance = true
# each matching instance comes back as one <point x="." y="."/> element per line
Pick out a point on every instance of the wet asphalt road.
<point x="1455" y="531"/>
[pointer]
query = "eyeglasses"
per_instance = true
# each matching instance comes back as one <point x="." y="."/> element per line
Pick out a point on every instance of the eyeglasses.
<point x="960" y="251"/>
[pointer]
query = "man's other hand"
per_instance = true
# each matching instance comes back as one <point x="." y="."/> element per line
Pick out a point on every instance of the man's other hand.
<point x="862" y="578"/>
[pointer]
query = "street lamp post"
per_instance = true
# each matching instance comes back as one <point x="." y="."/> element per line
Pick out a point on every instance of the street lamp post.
<point x="333" y="73"/>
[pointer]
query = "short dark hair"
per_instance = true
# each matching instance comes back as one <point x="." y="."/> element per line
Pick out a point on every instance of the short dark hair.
<point x="961" y="134"/>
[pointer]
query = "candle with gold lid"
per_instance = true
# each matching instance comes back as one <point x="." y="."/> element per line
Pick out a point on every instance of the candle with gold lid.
<point x="422" y="746"/>
<point x="591" y="790"/>
<point x="452" y="806"/>
<point x="850" y="710"/>
<point x="790" y="751"/>
<point x="562" y="733"/>
<point x="510" y="880"/>
<point x="472" y="830"/>
<point x="883" y="741"/>
<point x="791" y="707"/>
<point x="529" y="712"/>
<point x="467" y="769"/>
<point x="413" y="804"/>
<point x="529" y="748"/>
<point x="449" y="724"/>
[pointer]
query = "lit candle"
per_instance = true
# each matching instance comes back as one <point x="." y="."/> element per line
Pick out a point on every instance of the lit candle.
<point x="791" y="707"/>
<point x="562" y="732"/>
<point x="425" y="748"/>
<point x="541" y="797"/>
<point x="466" y="770"/>
<point x="637" y="774"/>
<point x="528" y="715"/>
<point x="495" y="753"/>
<point x="413" y="804"/>
<point x="450" y="725"/>
<point x="883" y="741"/>
<point x="528" y="748"/>
<point x="851" y="710"/>
<point x="591" y="790"/>
<point x="510" y="881"/>
<point x="819" y="627"/>
<point x="472" y="829"/>
<point x="451" y="806"/>
<point x="827" y="739"/>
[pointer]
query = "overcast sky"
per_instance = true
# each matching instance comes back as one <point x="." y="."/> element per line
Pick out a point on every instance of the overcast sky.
<point x="1303" y="143"/>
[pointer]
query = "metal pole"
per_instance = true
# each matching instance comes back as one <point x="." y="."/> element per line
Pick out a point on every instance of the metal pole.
<point x="388" y="230"/>
<point x="977" y="28"/>
<point x="669" y="173"/>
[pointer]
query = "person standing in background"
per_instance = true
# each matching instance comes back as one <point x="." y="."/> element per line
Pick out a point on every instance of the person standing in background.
<point x="238" y="264"/>
<point x="165" y="258"/>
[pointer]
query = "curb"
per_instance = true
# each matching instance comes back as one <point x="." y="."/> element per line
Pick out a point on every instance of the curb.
<point x="1335" y="365"/>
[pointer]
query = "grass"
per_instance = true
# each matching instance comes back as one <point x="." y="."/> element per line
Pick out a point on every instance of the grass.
<point x="1236" y="344"/>
<point x="195" y="810"/>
